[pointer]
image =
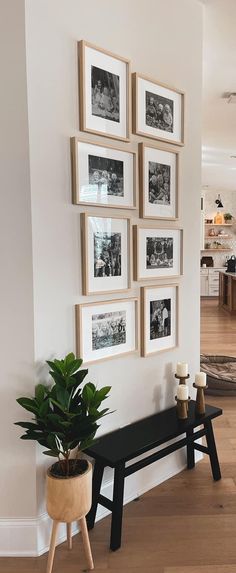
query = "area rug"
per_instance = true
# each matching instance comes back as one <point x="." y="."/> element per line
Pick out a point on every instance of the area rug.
<point x="221" y="374"/>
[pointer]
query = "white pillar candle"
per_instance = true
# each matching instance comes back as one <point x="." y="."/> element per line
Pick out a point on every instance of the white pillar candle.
<point x="182" y="392"/>
<point x="182" y="369"/>
<point x="200" y="379"/>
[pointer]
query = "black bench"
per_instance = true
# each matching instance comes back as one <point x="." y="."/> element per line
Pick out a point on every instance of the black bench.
<point x="120" y="446"/>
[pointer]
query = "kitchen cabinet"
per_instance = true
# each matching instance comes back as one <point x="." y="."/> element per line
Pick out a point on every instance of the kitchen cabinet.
<point x="227" y="295"/>
<point x="204" y="283"/>
<point x="209" y="278"/>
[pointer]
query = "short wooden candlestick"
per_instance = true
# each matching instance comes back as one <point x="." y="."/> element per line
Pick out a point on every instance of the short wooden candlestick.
<point x="200" y="399"/>
<point x="182" y="379"/>
<point x="182" y="408"/>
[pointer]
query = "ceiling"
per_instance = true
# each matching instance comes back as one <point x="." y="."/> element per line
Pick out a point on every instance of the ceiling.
<point x="219" y="76"/>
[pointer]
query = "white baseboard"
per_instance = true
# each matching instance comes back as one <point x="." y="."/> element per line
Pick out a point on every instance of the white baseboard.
<point x="30" y="537"/>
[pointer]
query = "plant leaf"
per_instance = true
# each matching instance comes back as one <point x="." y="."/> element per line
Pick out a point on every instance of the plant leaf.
<point x="29" y="404"/>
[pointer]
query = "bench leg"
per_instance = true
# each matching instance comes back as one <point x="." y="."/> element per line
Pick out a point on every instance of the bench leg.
<point x="117" y="512"/>
<point x="190" y="451"/>
<point x="97" y="480"/>
<point x="215" y="466"/>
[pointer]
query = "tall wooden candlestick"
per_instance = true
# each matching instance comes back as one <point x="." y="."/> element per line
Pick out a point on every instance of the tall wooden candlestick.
<point x="182" y="408"/>
<point x="200" y="399"/>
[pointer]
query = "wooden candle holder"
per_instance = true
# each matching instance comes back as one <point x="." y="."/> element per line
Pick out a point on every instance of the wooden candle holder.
<point x="182" y="379"/>
<point x="182" y="408"/>
<point x="200" y="399"/>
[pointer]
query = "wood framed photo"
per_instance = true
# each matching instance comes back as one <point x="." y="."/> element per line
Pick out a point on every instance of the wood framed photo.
<point x="159" y="318"/>
<point x="158" y="110"/>
<point x="105" y="254"/>
<point x="104" y="92"/>
<point x="103" y="175"/>
<point x="106" y="329"/>
<point x="158" y="253"/>
<point x="159" y="182"/>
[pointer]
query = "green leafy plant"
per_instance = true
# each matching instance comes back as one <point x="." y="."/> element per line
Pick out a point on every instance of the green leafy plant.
<point x="228" y="216"/>
<point x="65" y="415"/>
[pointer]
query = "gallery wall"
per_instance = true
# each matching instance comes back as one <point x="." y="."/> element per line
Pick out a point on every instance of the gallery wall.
<point x="164" y="41"/>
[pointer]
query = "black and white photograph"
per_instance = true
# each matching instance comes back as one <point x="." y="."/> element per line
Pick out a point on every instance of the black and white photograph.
<point x="106" y="175"/>
<point x="159" y="252"/>
<point x="108" y="329"/>
<point x="107" y="254"/>
<point x="105" y="94"/>
<point x="159" y="112"/>
<point x="103" y="175"/>
<point x="160" y="318"/>
<point x="159" y="183"/>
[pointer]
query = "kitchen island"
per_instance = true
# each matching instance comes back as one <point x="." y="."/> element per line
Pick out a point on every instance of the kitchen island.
<point x="227" y="291"/>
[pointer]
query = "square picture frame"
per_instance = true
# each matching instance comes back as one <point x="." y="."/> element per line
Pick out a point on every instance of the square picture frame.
<point x="158" y="253"/>
<point x="159" y="318"/>
<point x="106" y="253"/>
<point x="103" y="175"/>
<point x="159" y="176"/>
<point x="104" y="92"/>
<point x="107" y="329"/>
<point x="158" y="110"/>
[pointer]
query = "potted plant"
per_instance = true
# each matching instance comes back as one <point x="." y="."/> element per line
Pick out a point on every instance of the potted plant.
<point x="228" y="218"/>
<point x="65" y="421"/>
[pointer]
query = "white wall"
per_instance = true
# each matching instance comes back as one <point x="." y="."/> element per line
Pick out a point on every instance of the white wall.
<point x="16" y="302"/>
<point x="17" y="475"/>
<point x="164" y="41"/>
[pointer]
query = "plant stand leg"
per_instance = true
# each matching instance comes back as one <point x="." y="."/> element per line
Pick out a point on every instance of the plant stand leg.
<point x="52" y="546"/>
<point x="69" y="536"/>
<point x="86" y="542"/>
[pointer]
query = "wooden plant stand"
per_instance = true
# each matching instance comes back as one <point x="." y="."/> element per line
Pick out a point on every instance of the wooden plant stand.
<point x="69" y="500"/>
<point x="86" y="543"/>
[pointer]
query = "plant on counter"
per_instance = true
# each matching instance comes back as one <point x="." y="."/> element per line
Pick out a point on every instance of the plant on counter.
<point x="65" y="415"/>
<point x="228" y="217"/>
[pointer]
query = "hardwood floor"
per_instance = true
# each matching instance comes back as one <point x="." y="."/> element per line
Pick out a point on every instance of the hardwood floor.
<point x="218" y="329"/>
<point x="185" y="525"/>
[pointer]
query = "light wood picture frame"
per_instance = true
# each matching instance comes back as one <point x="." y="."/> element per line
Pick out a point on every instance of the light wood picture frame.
<point x="106" y="253"/>
<point x="159" y="318"/>
<point x="107" y="329"/>
<point x="157" y="252"/>
<point x="158" y="110"/>
<point x="159" y="181"/>
<point x="104" y="92"/>
<point x="103" y="175"/>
